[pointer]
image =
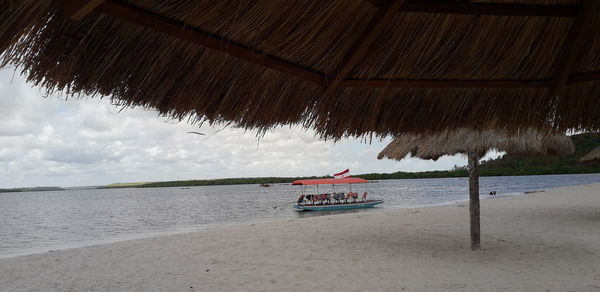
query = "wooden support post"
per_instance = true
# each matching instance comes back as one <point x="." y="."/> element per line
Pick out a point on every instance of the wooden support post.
<point x="474" y="201"/>
<point x="360" y="48"/>
<point x="576" y="37"/>
<point x="78" y="9"/>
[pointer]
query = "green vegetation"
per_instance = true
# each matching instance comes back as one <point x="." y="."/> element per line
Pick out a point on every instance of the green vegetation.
<point x="544" y="164"/>
<point x="10" y="190"/>
<point x="34" y="189"/>
<point x="123" y="185"/>
<point x="224" y="181"/>
<point x="456" y="172"/>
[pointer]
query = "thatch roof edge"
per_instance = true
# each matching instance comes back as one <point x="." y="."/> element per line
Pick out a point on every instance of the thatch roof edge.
<point x="478" y="143"/>
<point x="592" y="155"/>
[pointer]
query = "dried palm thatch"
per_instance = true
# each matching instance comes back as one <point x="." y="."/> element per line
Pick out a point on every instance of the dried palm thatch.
<point x="591" y="156"/>
<point x="346" y="68"/>
<point x="475" y="144"/>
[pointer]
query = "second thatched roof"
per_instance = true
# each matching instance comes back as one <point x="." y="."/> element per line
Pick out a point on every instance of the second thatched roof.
<point x="465" y="141"/>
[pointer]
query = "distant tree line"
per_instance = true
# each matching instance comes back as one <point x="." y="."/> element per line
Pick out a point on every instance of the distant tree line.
<point x="34" y="189"/>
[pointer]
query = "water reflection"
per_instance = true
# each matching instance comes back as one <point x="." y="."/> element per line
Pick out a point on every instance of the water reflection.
<point x="306" y="214"/>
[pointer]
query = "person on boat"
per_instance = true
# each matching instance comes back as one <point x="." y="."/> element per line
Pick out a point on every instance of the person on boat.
<point x="337" y="197"/>
<point x="348" y="196"/>
<point x="301" y="200"/>
<point x="364" y="197"/>
<point x="315" y="199"/>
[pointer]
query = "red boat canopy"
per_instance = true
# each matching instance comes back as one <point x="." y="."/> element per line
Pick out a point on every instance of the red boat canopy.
<point x="330" y="181"/>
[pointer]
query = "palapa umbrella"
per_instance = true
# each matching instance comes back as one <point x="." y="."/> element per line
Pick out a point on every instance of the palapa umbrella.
<point x="344" y="68"/>
<point x="591" y="156"/>
<point x="475" y="144"/>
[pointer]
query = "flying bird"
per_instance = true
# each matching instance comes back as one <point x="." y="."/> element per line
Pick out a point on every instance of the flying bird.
<point x="197" y="133"/>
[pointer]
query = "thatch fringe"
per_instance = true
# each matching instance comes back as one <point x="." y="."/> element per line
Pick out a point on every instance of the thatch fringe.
<point x="477" y="143"/>
<point x="591" y="156"/>
<point x="100" y="55"/>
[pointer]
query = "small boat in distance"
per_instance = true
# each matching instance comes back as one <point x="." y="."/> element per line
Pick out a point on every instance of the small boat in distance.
<point x="335" y="200"/>
<point x="265" y="185"/>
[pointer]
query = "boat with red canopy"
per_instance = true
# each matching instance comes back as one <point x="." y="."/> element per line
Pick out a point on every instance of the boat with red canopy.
<point x="318" y="201"/>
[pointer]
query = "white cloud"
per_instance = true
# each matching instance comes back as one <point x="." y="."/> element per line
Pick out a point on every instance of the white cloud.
<point x="50" y="141"/>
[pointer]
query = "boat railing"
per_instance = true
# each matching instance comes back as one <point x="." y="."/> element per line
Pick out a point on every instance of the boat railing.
<point x="338" y="198"/>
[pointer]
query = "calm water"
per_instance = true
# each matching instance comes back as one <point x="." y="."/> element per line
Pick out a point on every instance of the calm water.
<point x="40" y="221"/>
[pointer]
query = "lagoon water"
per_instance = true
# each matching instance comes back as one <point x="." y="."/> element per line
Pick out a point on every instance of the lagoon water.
<point x="32" y="222"/>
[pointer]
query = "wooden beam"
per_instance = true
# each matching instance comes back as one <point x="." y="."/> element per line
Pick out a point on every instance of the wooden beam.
<point x="147" y="19"/>
<point x="78" y="9"/>
<point x="360" y="47"/>
<point x="179" y="30"/>
<point x="584" y="77"/>
<point x="464" y="83"/>
<point x="440" y="83"/>
<point x="434" y="6"/>
<point x="576" y="37"/>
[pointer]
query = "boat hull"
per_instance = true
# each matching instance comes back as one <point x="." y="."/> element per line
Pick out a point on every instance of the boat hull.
<point x="359" y="205"/>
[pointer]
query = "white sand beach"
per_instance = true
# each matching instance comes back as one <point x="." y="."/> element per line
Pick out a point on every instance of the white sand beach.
<point x="545" y="241"/>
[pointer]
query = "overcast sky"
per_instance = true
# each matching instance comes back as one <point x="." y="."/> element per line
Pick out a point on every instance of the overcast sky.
<point x="56" y="142"/>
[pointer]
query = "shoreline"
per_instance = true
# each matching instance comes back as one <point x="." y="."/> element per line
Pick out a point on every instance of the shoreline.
<point x="212" y="226"/>
<point x="535" y="242"/>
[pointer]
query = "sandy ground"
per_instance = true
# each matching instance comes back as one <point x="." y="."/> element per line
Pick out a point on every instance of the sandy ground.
<point x="547" y="241"/>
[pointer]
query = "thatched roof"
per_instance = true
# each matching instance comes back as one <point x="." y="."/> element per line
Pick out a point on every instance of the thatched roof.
<point x="592" y="155"/>
<point x="342" y="67"/>
<point x="465" y="141"/>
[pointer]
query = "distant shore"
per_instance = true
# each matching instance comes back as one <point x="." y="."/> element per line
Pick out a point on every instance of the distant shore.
<point x="287" y="180"/>
<point x="33" y="189"/>
<point x="271" y="180"/>
<point x="534" y="242"/>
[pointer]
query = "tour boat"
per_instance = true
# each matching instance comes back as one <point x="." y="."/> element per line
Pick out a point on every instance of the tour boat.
<point x="334" y="200"/>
